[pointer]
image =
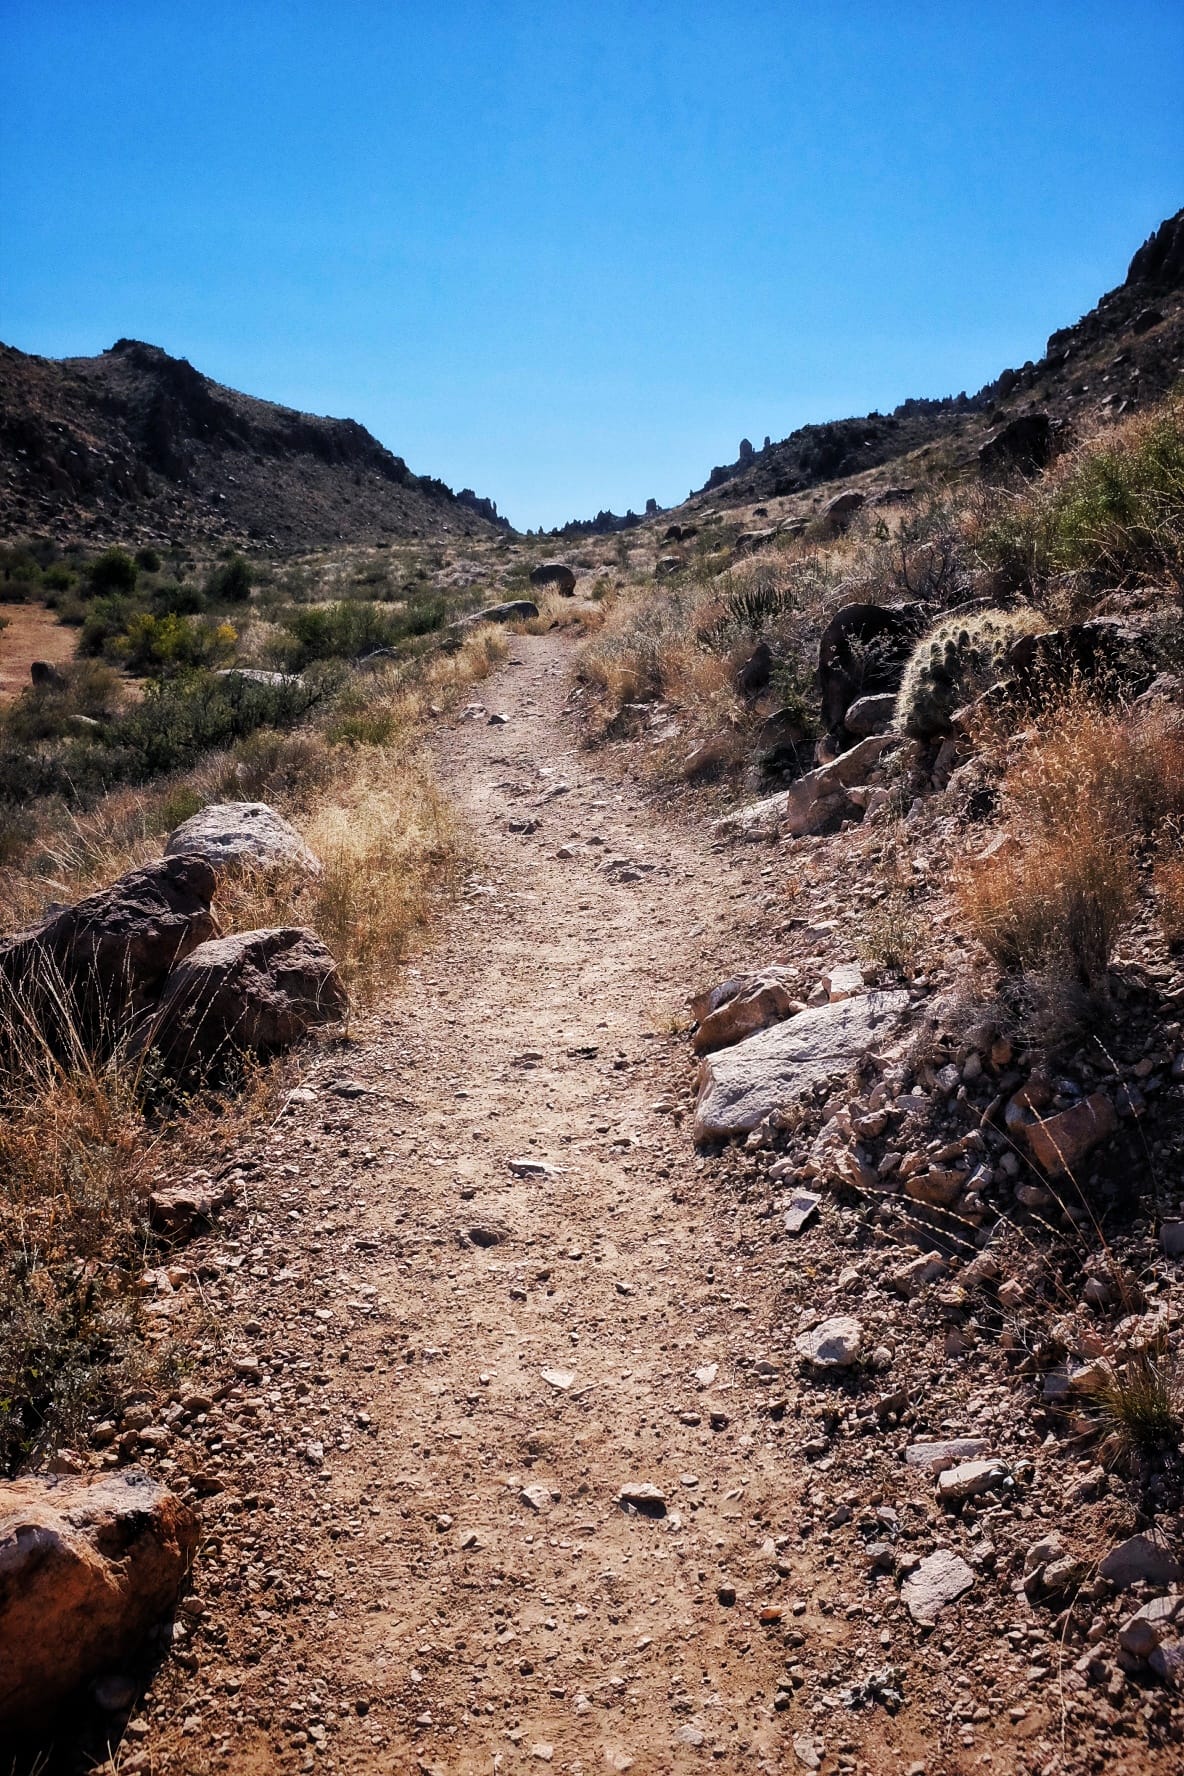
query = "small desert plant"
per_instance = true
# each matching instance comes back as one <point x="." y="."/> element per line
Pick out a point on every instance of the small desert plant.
<point x="955" y="663"/>
<point x="1139" y="1400"/>
<point x="752" y="604"/>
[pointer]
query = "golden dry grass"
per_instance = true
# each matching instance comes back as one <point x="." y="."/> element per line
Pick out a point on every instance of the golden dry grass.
<point x="79" y="1151"/>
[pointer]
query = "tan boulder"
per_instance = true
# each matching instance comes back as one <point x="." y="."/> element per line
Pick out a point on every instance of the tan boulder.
<point x="87" y="1568"/>
<point x="742" y="1006"/>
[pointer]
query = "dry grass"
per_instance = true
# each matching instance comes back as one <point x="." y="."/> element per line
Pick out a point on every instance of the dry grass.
<point x="79" y="1151"/>
<point x="1053" y="906"/>
<point x="1085" y="794"/>
<point x="1168" y="878"/>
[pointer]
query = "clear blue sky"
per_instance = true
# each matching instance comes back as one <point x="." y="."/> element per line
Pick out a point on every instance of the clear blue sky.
<point x="567" y="254"/>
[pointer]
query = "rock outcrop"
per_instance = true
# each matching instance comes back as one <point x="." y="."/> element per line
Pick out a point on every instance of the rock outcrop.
<point x="92" y="964"/>
<point x="255" y="991"/>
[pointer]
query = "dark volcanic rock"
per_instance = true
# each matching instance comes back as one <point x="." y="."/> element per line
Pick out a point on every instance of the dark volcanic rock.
<point x="863" y="652"/>
<point x="135" y="441"/>
<point x="93" y="964"/>
<point x="256" y="991"/>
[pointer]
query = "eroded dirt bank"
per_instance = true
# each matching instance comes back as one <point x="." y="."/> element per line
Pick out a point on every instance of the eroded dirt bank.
<point x="450" y="1365"/>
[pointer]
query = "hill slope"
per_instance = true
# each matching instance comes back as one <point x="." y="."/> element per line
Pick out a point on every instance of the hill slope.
<point x="1125" y="353"/>
<point x="135" y="445"/>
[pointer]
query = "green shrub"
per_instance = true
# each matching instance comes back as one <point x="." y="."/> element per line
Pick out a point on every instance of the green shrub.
<point x="171" y="644"/>
<point x="350" y="630"/>
<point x="1111" y="511"/>
<point x="230" y="583"/>
<point x="113" y="571"/>
<point x="149" y="560"/>
<point x="955" y="663"/>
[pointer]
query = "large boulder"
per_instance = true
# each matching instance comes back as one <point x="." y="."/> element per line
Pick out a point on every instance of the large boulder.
<point x="556" y="574"/>
<point x="839" y="511"/>
<point x="89" y="966"/>
<point x="242" y="835"/>
<point x="255" y="991"/>
<point x="863" y="652"/>
<point x="87" y="1569"/>
<point x="740" y="1086"/>
<point x="1025" y="444"/>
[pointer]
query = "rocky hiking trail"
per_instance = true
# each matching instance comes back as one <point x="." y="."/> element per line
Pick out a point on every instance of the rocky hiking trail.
<point x="483" y="1294"/>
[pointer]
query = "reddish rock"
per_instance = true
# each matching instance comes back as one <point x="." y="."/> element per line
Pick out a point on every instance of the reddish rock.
<point x="87" y="1568"/>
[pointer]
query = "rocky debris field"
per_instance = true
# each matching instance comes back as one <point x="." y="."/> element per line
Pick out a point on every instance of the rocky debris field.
<point x="523" y="1430"/>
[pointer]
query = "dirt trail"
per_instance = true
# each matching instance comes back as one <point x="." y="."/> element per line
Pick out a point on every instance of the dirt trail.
<point x="449" y="1366"/>
<point x="379" y="1591"/>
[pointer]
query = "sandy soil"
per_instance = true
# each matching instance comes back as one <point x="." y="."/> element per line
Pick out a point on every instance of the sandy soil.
<point x="451" y="1364"/>
<point x="30" y="632"/>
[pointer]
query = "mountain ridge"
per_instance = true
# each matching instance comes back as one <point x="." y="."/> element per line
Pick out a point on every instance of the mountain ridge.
<point x="137" y="445"/>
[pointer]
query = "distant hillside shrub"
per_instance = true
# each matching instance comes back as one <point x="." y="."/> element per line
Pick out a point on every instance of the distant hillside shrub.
<point x="113" y="571"/>
<point x="230" y="583"/>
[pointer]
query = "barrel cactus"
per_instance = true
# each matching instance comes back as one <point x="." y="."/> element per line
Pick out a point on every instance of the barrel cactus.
<point x="953" y="664"/>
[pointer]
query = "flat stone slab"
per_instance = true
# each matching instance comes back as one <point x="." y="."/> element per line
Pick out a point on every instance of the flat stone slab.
<point x="968" y="1479"/>
<point x="741" y="1085"/>
<point x="941" y="1579"/>
<point x="936" y="1457"/>
<point x="803" y="1206"/>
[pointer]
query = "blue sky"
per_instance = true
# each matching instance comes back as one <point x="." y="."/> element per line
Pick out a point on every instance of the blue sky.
<point x="568" y="254"/>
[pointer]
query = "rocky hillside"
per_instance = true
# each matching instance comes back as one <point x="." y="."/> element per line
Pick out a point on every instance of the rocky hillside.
<point x="1125" y="353"/>
<point x="138" y="446"/>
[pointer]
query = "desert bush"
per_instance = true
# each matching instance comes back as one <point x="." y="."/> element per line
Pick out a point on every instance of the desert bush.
<point x="1052" y="908"/>
<point x="1111" y="510"/>
<point x="89" y="689"/>
<point x="112" y="572"/>
<point x="1124" y="770"/>
<point x="349" y="630"/>
<point x="171" y="644"/>
<point x="230" y="583"/>
<point x="953" y="664"/>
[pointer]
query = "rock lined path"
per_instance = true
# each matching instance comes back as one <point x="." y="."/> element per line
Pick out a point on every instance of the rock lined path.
<point x="478" y="1298"/>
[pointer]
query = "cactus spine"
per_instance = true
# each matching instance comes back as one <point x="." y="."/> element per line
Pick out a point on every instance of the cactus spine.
<point x="953" y="664"/>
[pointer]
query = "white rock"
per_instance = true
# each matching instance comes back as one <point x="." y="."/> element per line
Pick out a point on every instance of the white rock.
<point x="843" y="982"/>
<point x="742" y="1085"/>
<point x="941" y="1579"/>
<point x="970" y="1478"/>
<point x="934" y="1457"/>
<point x="242" y="835"/>
<point x="833" y="1345"/>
